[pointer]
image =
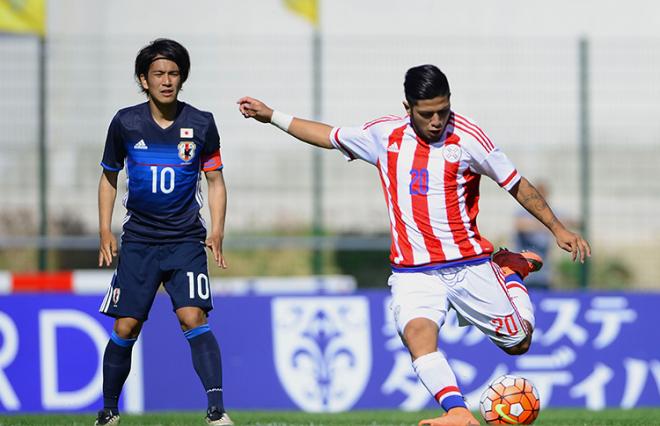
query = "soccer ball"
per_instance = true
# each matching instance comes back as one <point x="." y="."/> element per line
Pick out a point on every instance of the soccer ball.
<point x="510" y="400"/>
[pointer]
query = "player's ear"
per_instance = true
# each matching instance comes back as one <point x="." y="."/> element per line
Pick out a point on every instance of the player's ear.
<point x="144" y="83"/>
<point x="407" y="107"/>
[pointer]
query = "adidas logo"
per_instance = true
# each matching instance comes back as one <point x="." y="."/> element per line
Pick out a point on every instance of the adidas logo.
<point x="393" y="148"/>
<point x="141" y="145"/>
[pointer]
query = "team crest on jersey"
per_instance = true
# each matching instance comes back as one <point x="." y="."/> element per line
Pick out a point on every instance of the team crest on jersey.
<point x="452" y="153"/>
<point x="322" y="350"/>
<point x="187" y="150"/>
<point x="115" y="296"/>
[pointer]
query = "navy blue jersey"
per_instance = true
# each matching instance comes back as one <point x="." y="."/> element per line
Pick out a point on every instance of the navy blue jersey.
<point x="163" y="171"/>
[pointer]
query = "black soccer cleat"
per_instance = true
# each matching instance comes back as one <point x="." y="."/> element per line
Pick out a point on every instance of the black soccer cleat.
<point x="215" y="417"/>
<point x="107" y="417"/>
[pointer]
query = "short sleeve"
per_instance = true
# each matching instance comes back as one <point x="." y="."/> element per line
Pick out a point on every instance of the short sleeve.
<point x="114" y="152"/>
<point x="211" y="158"/>
<point x="498" y="167"/>
<point x="355" y="143"/>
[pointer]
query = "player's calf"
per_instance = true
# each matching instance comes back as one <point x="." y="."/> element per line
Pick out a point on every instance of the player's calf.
<point x="515" y="285"/>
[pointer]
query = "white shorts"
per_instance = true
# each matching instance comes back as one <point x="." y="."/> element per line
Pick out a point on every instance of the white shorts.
<point x="476" y="292"/>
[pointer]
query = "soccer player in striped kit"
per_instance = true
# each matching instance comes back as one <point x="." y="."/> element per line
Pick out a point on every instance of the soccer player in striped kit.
<point x="430" y="163"/>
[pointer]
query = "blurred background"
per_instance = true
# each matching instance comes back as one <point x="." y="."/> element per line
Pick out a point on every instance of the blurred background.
<point x="568" y="90"/>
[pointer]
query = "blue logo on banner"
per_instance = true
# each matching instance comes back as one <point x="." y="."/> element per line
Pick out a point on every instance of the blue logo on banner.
<point x="322" y="349"/>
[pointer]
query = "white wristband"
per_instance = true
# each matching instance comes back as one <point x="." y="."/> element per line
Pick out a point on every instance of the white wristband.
<point x="281" y="120"/>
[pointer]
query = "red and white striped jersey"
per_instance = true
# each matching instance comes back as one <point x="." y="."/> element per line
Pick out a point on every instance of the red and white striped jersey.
<point x="431" y="190"/>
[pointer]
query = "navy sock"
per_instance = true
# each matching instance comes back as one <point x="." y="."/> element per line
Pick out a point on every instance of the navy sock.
<point x="116" y="366"/>
<point x="208" y="365"/>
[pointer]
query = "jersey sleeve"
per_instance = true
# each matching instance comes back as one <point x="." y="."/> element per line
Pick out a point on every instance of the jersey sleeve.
<point x="485" y="157"/>
<point x="114" y="152"/>
<point x="497" y="166"/>
<point x="355" y="143"/>
<point x="211" y="158"/>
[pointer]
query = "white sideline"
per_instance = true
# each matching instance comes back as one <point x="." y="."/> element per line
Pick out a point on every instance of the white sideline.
<point x="97" y="281"/>
<point x="91" y="281"/>
<point x="5" y="282"/>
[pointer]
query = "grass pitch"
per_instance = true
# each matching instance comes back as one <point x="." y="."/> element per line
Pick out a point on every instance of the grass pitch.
<point x="555" y="417"/>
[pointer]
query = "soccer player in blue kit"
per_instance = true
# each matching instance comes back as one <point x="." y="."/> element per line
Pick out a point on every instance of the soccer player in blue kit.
<point x="165" y="144"/>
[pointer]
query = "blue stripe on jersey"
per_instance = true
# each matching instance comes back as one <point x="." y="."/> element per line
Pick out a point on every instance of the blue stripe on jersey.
<point x="435" y="266"/>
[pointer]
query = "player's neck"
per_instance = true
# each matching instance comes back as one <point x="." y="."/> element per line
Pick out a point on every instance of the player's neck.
<point x="163" y="114"/>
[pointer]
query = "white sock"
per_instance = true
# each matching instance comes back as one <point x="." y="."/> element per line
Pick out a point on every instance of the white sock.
<point x="520" y="298"/>
<point x="438" y="378"/>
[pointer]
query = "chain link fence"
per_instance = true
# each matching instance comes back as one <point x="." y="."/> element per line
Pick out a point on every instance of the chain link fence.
<point x="523" y="92"/>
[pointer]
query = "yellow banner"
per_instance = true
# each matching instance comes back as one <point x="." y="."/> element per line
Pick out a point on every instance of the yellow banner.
<point x="23" y="16"/>
<point x="308" y="9"/>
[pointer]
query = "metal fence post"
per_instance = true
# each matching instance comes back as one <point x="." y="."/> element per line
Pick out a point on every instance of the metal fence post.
<point x="317" y="160"/>
<point x="585" y="159"/>
<point x="42" y="158"/>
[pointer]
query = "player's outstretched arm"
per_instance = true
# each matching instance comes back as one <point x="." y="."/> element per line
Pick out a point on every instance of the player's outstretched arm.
<point x="530" y="198"/>
<point x="218" y="206"/>
<point x="107" y="195"/>
<point x="312" y="132"/>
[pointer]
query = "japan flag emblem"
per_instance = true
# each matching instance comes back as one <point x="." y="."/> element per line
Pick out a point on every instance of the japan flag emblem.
<point x="186" y="132"/>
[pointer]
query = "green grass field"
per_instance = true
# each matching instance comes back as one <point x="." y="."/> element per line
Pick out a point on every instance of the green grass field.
<point x="642" y="417"/>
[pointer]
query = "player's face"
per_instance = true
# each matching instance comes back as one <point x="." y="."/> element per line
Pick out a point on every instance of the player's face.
<point x="429" y="117"/>
<point x="163" y="81"/>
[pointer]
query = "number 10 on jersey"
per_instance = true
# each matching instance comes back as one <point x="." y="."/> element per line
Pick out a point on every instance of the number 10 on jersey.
<point x="166" y="180"/>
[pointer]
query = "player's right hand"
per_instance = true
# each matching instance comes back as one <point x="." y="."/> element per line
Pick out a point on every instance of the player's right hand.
<point x="107" y="249"/>
<point x="254" y="108"/>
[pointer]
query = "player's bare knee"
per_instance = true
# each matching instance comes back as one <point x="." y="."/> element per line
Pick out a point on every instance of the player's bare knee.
<point x="420" y="337"/>
<point x="192" y="321"/>
<point x="127" y="328"/>
<point x="417" y="329"/>
<point x="191" y="317"/>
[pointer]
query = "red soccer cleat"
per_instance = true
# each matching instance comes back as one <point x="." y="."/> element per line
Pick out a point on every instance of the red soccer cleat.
<point x="455" y="417"/>
<point x="520" y="263"/>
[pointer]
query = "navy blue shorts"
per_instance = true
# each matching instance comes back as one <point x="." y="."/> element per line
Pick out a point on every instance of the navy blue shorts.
<point x="180" y="267"/>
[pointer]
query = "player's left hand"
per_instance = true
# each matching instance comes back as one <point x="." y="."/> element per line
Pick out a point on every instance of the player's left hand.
<point x="573" y="243"/>
<point x="214" y="242"/>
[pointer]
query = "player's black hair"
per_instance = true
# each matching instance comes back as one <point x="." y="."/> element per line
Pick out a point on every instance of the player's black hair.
<point x="162" y="48"/>
<point x="425" y="82"/>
